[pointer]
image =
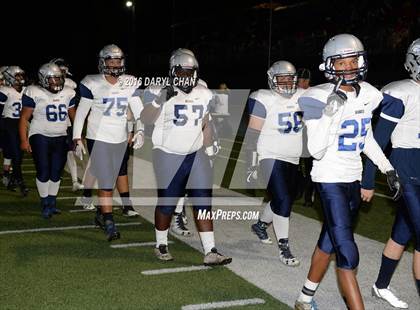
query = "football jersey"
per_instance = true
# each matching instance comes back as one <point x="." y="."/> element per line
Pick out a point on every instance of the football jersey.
<point x="108" y="105"/>
<point x="12" y="101"/>
<point x="49" y="117"/>
<point x="178" y="128"/>
<point x="70" y="83"/>
<point x="281" y="135"/>
<point x="336" y="142"/>
<point x="407" y="132"/>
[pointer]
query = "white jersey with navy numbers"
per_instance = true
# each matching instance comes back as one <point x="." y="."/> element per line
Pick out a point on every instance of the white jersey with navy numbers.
<point x="407" y="132"/>
<point x="70" y="83"/>
<point x="281" y="135"/>
<point x="108" y="104"/>
<point x="50" y="114"/>
<point x="336" y="142"/>
<point x="178" y="129"/>
<point x="12" y="101"/>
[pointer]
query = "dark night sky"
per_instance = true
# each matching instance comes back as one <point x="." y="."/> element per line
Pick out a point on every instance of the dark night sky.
<point x="230" y="38"/>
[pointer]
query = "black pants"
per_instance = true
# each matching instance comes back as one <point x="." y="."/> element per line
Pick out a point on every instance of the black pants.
<point x="12" y="145"/>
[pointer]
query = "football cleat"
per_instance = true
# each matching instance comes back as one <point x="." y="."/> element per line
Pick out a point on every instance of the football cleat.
<point x="111" y="231"/>
<point x="162" y="253"/>
<point x="99" y="220"/>
<point x="130" y="212"/>
<point x="300" y="305"/>
<point x="11" y="186"/>
<point x="286" y="256"/>
<point x="260" y="229"/>
<point x="77" y="186"/>
<point x="184" y="216"/>
<point x="178" y="226"/>
<point x="214" y="258"/>
<point x="6" y="180"/>
<point x="46" y="212"/>
<point x="389" y="296"/>
<point x="23" y="189"/>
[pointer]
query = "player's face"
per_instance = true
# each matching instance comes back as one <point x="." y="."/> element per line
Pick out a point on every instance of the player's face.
<point x="184" y="73"/>
<point x="55" y="83"/>
<point x="303" y="83"/>
<point x="20" y="80"/>
<point x="349" y="64"/>
<point x="113" y="63"/>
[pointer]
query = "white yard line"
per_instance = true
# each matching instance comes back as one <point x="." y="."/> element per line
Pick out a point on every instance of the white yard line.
<point x="225" y="304"/>
<point x="135" y="244"/>
<point x="22" y="231"/>
<point x="174" y="270"/>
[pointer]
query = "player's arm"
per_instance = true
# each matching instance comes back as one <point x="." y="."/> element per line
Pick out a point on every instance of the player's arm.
<point x="153" y="103"/>
<point x="3" y="99"/>
<point x="392" y="110"/>
<point x="28" y="106"/>
<point x="136" y="107"/>
<point x="71" y="111"/>
<point x="318" y="124"/>
<point x="256" y="122"/>
<point x="85" y="104"/>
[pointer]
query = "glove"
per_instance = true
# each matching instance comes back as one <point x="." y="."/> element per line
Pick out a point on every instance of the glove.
<point x="138" y="140"/>
<point x="79" y="150"/>
<point x="212" y="151"/>
<point x="334" y="102"/>
<point x="394" y="184"/>
<point x="165" y="94"/>
<point x="252" y="170"/>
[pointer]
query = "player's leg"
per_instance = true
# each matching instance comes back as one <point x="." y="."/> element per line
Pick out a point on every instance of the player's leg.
<point x="71" y="160"/>
<point x="40" y="154"/>
<point x="88" y="184"/>
<point x="171" y="178"/>
<point x="58" y="157"/>
<point x="17" y="155"/>
<point x="341" y="202"/>
<point x="124" y="189"/>
<point x="6" y="157"/>
<point x="394" y="248"/>
<point x="280" y="176"/>
<point x="199" y="190"/>
<point x="412" y="200"/>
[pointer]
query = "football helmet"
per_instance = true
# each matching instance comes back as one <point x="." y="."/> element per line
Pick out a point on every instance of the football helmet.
<point x="14" y="76"/>
<point x="63" y="65"/>
<point x="282" y="78"/>
<point x="183" y="71"/>
<point x="51" y="77"/>
<point x="412" y="60"/>
<point x="2" y="69"/>
<point x="339" y="47"/>
<point x="111" y="52"/>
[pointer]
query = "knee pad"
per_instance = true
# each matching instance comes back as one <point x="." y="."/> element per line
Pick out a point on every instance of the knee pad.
<point x="166" y="210"/>
<point x="282" y="207"/>
<point x="345" y="248"/>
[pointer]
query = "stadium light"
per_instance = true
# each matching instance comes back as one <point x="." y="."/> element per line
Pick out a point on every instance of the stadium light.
<point x="129" y="4"/>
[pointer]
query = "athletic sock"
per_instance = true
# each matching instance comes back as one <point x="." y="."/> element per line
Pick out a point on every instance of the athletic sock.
<point x="386" y="271"/>
<point x="308" y="291"/>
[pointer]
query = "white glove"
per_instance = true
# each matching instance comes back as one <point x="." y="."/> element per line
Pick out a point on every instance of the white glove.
<point x="213" y="149"/>
<point x="79" y="150"/>
<point x="138" y="140"/>
<point x="334" y="102"/>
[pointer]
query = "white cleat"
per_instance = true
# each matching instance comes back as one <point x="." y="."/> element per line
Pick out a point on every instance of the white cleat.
<point x="77" y="186"/>
<point x="178" y="226"/>
<point x="389" y="296"/>
<point x="130" y="212"/>
<point x="89" y="207"/>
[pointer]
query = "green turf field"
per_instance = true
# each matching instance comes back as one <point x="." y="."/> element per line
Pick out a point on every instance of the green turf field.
<point x="77" y="269"/>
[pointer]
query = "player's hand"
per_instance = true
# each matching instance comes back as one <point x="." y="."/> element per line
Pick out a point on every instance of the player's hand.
<point x="138" y="140"/>
<point x="165" y="94"/>
<point x="367" y="194"/>
<point x="252" y="174"/>
<point x="334" y="102"/>
<point x="130" y="138"/>
<point x="394" y="184"/>
<point x="25" y="146"/>
<point x="79" y="149"/>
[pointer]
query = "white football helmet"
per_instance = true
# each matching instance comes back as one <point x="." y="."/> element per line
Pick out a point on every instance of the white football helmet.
<point x="51" y="77"/>
<point x="412" y="60"/>
<point x="111" y="52"/>
<point x="3" y="68"/>
<point x="339" y="47"/>
<point x="14" y="76"/>
<point x="287" y="82"/>
<point x="183" y="71"/>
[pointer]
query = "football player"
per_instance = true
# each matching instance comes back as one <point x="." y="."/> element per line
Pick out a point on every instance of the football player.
<point x="179" y="112"/>
<point x="6" y="161"/>
<point x="274" y="143"/>
<point x="49" y="105"/>
<point x="71" y="160"/>
<point x="11" y="106"/>
<point x="107" y="100"/>
<point x="338" y="119"/>
<point x="180" y="219"/>
<point x="400" y="123"/>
